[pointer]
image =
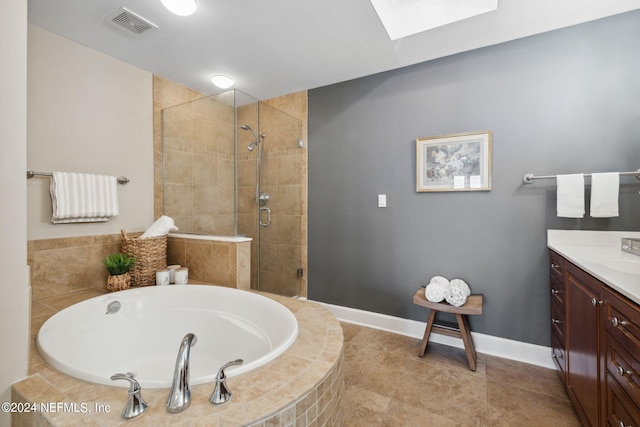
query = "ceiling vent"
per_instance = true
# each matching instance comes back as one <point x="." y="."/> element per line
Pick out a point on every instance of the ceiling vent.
<point x="130" y="21"/>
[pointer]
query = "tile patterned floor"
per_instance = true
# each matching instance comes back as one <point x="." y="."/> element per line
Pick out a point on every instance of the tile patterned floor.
<point x="387" y="385"/>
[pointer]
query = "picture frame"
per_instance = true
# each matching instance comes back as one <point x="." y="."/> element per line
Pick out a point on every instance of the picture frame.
<point x="456" y="162"/>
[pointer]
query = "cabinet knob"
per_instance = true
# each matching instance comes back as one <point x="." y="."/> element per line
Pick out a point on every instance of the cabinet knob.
<point x="595" y="302"/>
<point x="555" y="266"/>
<point x="554" y="292"/>
<point x="615" y="322"/>
<point x="622" y="424"/>
<point x="556" y="321"/>
<point x="620" y="370"/>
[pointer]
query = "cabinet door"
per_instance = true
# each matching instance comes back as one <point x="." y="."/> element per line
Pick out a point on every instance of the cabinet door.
<point x="582" y="312"/>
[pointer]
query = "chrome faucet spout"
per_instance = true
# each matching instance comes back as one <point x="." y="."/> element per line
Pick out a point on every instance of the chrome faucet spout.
<point x="180" y="396"/>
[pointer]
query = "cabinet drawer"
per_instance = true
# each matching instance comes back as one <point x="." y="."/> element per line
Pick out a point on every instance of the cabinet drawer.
<point x="558" y="354"/>
<point x="558" y="319"/>
<point x="557" y="291"/>
<point x="622" y="318"/>
<point x="557" y="267"/>
<point x="620" y="410"/>
<point x="623" y="365"/>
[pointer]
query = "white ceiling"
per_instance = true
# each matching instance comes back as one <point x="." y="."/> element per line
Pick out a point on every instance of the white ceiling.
<point x="276" y="47"/>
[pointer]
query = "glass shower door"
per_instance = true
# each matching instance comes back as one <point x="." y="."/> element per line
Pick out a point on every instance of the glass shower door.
<point x="280" y="212"/>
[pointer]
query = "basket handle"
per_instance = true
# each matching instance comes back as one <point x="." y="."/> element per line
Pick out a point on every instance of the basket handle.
<point x="124" y="235"/>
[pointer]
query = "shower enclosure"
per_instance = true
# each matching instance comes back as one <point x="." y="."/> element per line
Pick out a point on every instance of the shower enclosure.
<point x="233" y="165"/>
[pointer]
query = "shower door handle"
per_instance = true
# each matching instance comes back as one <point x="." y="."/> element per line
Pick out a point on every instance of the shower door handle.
<point x="268" y="210"/>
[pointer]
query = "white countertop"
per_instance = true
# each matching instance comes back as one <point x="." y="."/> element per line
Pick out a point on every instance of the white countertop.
<point x="599" y="254"/>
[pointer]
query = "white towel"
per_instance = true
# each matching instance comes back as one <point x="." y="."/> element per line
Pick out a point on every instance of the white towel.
<point x="79" y="197"/>
<point x="161" y="227"/>
<point x="570" y="197"/>
<point x="436" y="288"/>
<point x="604" y="194"/>
<point x="457" y="292"/>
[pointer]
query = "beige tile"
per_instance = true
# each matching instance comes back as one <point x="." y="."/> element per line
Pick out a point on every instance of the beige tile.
<point x="402" y="415"/>
<point x="524" y="376"/>
<point x="365" y="408"/>
<point x="510" y="406"/>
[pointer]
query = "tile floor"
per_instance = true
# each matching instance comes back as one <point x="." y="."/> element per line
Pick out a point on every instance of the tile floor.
<point x="387" y="384"/>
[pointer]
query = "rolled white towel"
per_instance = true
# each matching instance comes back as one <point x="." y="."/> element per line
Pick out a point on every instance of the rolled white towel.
<point x="457" y="292"/>
<point x="436" y="288"/>
<point x="161" y="227"/>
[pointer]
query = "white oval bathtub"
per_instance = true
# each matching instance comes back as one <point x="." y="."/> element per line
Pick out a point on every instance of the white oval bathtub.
<point x="144" y="335"/>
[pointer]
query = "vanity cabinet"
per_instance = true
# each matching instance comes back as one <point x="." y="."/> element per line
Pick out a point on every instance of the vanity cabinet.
<point x="582" y="339"/>
<point x="595" y="340"/>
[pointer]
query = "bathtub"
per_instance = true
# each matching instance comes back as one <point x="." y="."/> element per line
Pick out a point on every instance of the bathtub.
<point x="144" y="335"/>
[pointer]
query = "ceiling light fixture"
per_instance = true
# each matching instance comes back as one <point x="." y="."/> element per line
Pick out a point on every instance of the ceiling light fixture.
<point x="222" y="81"/>
<point x="181" y="7"/>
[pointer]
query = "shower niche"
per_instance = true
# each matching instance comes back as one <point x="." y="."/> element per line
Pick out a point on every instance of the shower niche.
<point x="234" y="166"/>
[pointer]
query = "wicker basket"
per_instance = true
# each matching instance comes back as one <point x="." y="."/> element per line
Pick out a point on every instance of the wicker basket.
<point x="119" y="282"/>
<point x="150" y="254"/>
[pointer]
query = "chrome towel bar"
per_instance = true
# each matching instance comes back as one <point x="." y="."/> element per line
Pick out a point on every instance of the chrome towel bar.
<point x="30" y="174"/>
<point x="529" y="177"/>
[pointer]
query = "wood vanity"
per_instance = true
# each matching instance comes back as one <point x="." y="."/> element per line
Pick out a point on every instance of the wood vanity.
<point x="595" y="339"/>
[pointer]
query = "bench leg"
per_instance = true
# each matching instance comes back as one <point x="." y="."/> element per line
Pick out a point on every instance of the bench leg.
<point x="465" y="330"/>
<point x="427" y="332"/>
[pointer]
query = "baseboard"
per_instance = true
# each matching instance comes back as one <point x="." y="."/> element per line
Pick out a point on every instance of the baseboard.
<point x="495" y="346"/>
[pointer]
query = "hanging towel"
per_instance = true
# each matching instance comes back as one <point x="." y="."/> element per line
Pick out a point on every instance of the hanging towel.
<point x="436" y="288"/>
<point x="79" y="197"/>
<point x="570" y="198"/>
<point x="604" y="194"/>
<point x="161" y="227"/>
<point x="457" y="292"/>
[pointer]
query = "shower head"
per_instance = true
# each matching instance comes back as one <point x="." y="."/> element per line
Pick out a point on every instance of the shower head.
<point x="246" y="127"/>
<point x="257" y="141"/>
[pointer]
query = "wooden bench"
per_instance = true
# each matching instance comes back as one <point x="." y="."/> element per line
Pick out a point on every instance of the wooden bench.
<point x="471" y="307"/>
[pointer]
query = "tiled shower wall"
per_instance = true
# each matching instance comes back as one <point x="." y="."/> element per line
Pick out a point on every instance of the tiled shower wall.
<point x="285" y="177"/>
<point x="199" y="166"/>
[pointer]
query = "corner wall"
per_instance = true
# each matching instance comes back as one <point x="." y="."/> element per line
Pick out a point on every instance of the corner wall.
<point x="560" y="102"/>
<point x="14" y="291"/>
<point x="89" y="113"/>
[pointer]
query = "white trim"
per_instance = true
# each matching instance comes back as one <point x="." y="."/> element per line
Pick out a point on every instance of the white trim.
<point x="495" y="346"/>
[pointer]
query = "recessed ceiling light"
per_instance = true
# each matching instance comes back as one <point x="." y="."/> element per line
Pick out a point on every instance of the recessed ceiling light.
<point x="222" y="81"/>
<point x="180" y="7"/>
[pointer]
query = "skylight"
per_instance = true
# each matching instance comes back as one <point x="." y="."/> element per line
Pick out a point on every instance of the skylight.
<point x="402" y="18"/>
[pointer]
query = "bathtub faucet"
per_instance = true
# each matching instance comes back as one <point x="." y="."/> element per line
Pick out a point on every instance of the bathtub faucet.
<point x="136" y="405"/>
<point x="180" y="396"/>
<point x="221" y="393"/>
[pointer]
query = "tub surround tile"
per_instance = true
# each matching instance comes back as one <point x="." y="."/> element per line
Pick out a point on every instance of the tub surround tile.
<point x="213" y="262"/>
<point x="289" y="389"/>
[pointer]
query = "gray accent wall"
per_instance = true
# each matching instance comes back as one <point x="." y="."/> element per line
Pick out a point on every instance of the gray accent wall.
<point x="566" y="101"/>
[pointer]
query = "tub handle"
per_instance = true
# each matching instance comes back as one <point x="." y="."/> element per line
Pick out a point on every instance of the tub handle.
<point x="221" y="392"/>
<point x="136" y="405"/>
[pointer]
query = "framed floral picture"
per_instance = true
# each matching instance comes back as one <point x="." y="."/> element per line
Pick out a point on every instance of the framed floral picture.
<point x="458" y="162"/>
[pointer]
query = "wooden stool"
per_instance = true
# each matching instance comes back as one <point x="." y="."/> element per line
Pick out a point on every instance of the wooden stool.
<point x="472" y="306"/>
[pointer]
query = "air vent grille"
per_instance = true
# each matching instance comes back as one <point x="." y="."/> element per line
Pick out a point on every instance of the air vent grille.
<point x="131" y="21"/>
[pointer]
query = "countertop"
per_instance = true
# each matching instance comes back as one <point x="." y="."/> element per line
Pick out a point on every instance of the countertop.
<point x="599" y="254"/>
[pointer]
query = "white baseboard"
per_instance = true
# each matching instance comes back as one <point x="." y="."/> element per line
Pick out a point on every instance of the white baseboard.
<point x="495" y="346"/>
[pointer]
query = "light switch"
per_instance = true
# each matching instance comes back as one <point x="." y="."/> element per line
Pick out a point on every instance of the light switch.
<point x="382" y="200"/>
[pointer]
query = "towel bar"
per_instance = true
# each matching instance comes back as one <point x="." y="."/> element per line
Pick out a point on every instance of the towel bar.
<point x="30" y="174"/>
<point x="529" y="177"/>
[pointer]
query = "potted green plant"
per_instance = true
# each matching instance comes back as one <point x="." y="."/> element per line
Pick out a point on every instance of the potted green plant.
<point x="118" y="266"/>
